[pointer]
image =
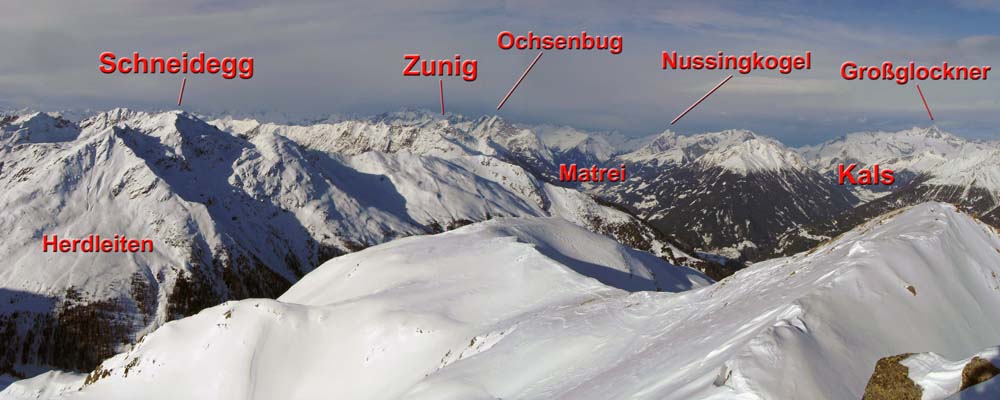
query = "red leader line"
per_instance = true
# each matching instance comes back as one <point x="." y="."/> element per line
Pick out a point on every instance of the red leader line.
<point x="925" y="102"/>
<point x="519" y="81"/>
<point x="441" y="85"/>
<point x="701" y="99"/>
<point x="181" y="96"/>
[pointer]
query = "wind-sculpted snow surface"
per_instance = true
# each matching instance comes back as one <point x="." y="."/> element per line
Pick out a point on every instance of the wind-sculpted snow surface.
<point x="371" y="324"/>
<point x="508" y="309"/>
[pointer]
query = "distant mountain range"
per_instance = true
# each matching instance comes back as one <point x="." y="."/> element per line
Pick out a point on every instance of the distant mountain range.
<point x="729" y="193"/>
<point x="747" y="197"/>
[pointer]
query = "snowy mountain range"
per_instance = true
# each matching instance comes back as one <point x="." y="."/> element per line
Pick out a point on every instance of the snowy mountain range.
<point x="729" y="193"/>
<point x="911" y="152"/>
<point x="236" y="213"/>
<point x="747" y="197"/>
<point x="930" y="165"/>
<point x="454" y="214"/>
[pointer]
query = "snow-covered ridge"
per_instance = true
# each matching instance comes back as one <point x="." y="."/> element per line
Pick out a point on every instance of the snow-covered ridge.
<point x="498" y="310"/>
<point x="412" y="131"/>
<point x="753" y="155"/>
<point x="602" y="146"/>
<point x="37" y="127"/>
<point x="435" y="300"/>
<point x="945" y="158"/>
<point x="740" y="151"/>
<point x="917" y="149"/>
<point x="978" y="168"/>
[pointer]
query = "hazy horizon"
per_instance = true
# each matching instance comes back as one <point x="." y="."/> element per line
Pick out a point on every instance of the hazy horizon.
<point x="76" y="114"/>
<point x="346" y="57"/>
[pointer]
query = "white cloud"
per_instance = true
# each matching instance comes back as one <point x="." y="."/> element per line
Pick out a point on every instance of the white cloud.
<point x="767" y="85"/>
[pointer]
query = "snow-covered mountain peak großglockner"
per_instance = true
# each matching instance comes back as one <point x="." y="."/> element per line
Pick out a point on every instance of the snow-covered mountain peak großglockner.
<point x="511" y="309"/>
<point x="917" y="149"/>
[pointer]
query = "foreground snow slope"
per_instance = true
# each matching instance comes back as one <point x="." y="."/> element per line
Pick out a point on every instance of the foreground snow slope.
<point x="500" y="310"/>
<point x="385" y="317"/>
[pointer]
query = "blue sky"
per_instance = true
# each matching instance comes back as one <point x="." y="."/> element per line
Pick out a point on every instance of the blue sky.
<point x="322" y="57"/>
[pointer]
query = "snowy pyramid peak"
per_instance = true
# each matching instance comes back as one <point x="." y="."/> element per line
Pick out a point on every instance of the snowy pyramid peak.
<point x="37" y="127"/>
<point x="752" y="154"/>
<point x="736" y="150"/>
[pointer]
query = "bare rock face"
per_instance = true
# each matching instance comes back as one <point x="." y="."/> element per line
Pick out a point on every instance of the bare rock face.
<point x="931" y="376"/>
<point x="977" y="371"/>
<point x="891" y="381"/>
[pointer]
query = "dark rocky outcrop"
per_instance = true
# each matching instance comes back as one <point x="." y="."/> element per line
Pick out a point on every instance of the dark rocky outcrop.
<point x="891" y="381"/>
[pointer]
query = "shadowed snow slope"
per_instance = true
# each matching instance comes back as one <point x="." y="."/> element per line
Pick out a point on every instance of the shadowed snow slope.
<point x="495" y="310"/>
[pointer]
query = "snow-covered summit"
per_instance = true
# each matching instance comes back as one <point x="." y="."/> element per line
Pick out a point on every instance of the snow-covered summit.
<point x="37" y="127"/>
<point x="918" y="149"/>
<point x="417" y="132"/>
<point x="736" y="150"/>
<point x="598" y="146"/>
<point x="756" y="154"/>
<point x="386" y="316"/>
<point x="944" y="159"/>
<point x="417" y="116"/>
